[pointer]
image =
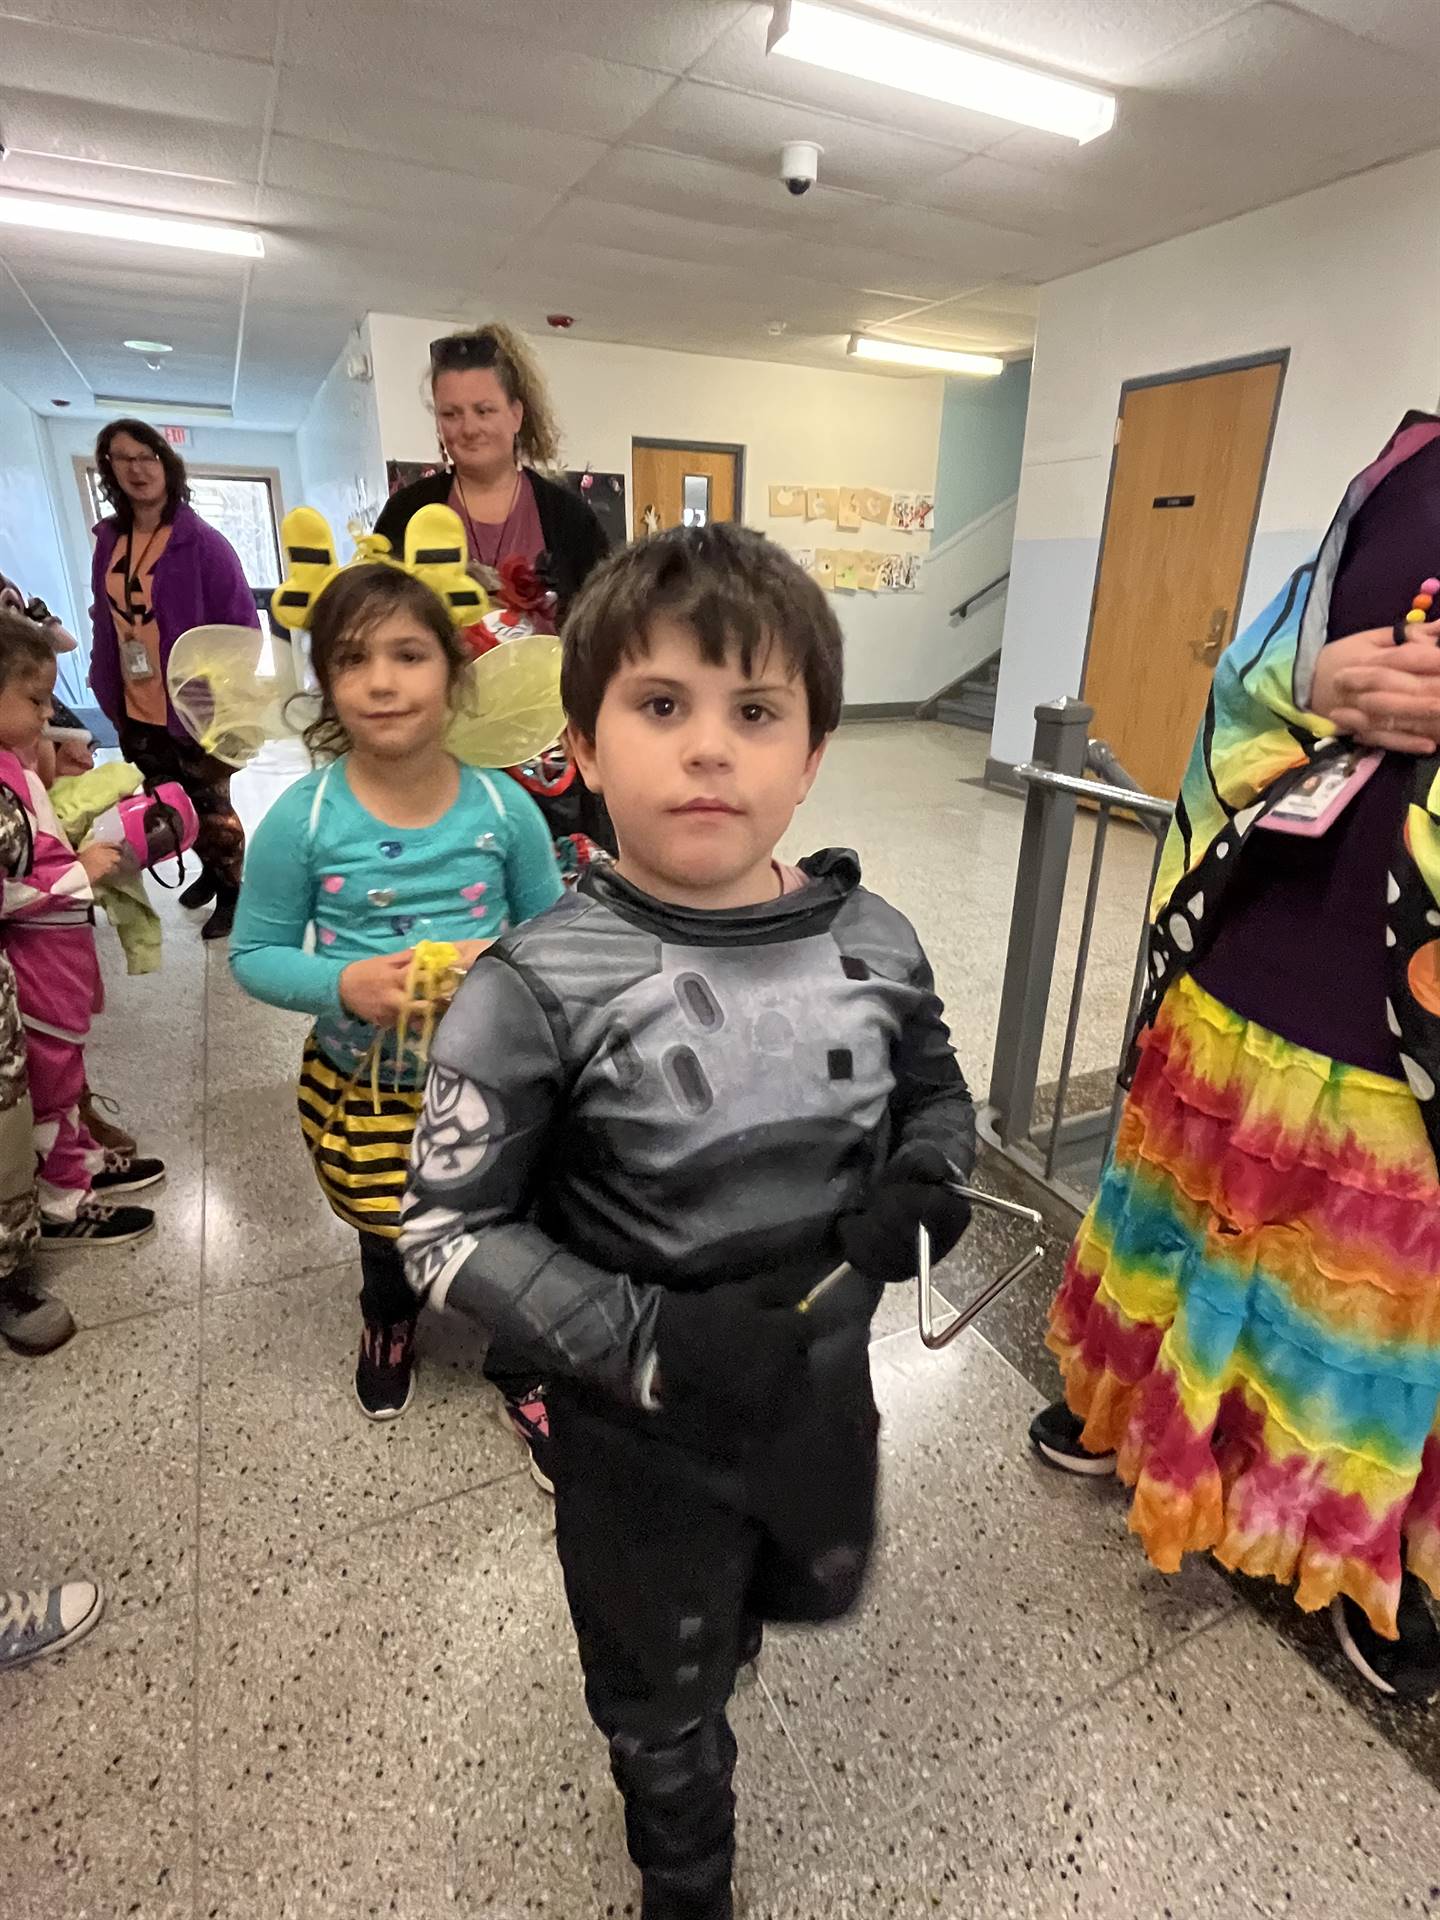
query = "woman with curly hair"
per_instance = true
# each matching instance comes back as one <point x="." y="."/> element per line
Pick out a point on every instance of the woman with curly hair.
<point x="159" y="570"/>
<point x="496" y="430"/>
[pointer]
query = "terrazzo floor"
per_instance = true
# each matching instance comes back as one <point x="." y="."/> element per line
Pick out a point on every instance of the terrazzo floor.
<point x="335" y="1675"/>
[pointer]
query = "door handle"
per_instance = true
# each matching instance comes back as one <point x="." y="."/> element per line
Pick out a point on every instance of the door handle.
<point x="1209" y="650"/>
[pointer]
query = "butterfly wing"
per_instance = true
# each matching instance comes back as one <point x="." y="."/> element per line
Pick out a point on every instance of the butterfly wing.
<point x="508" y="709"/>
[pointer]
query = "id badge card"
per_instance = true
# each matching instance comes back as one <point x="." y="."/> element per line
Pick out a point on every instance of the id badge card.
<point x="1313" y="806"/>
<point x="135" y="660"/>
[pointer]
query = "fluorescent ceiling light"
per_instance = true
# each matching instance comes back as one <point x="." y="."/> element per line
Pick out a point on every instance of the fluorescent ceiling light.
<point x="115" y="223"/>
<point x="864" y="346"/>
<point x="171" y="409"/>
<point x="893" y="56"/>
<point x="149" y="346"/>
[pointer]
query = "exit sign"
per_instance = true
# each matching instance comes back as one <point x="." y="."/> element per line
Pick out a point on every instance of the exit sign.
<point x="177" y="436"/>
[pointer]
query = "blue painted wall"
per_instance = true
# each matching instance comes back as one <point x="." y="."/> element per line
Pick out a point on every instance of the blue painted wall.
<point x="982" y="431"/>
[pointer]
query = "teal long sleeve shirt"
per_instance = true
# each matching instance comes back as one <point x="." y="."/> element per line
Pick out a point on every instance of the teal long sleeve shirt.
<point x="327" y="883"/>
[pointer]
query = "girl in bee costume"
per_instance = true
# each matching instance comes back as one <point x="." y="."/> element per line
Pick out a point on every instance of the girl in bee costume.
<point x="391" y="841"/>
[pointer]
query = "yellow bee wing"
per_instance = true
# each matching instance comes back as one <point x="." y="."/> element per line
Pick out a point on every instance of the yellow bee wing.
<point x="435" y="552"/>
<point x="234" y="688"/>
<point x="310" y="555"/>
<point x="508" y="707"/>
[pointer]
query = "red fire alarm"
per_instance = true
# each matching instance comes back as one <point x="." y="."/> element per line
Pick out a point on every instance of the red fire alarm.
<point x="560" y="320"/>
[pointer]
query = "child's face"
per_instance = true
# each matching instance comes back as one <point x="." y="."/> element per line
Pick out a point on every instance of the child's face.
<point x="390" y="687"/>
<point x="702" y="768"/>
<point x="25" y="709"/>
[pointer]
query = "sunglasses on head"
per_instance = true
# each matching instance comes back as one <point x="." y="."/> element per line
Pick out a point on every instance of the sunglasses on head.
<point x="454" y="351"/>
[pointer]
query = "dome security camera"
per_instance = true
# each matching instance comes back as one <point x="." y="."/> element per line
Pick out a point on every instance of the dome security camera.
<point x="800" y="165"/>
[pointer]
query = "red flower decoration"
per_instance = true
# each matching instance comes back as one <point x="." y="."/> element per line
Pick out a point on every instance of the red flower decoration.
<point x="521" y="587"/>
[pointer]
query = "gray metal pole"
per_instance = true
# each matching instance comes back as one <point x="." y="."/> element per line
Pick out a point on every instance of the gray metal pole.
<point x="1062" y="732"/>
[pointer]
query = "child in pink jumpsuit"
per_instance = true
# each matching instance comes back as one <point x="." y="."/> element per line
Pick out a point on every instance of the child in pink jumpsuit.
<point x="47" y="930"/>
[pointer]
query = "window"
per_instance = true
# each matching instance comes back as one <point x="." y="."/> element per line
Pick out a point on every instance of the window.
<point x="695" y="500"/>
<point x="239" y="505"/>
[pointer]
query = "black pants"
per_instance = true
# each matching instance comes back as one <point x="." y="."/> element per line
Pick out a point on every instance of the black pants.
<point x="386" y="1298"/>
<point x="671" y="1562"/>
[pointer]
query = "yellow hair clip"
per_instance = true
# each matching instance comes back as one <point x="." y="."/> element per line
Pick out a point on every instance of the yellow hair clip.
<point x="435" y="554"/>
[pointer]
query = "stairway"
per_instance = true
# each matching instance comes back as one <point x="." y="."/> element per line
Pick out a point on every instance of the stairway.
<point x="971" y="701"/>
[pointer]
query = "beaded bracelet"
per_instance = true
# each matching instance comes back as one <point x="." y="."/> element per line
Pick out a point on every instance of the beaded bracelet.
<point x="1419" y="610"/>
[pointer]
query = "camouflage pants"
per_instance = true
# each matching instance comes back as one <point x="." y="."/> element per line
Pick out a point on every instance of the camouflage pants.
<point x="19" y="1213"/>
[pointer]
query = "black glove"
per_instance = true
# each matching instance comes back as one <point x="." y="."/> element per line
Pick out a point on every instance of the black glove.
<point x="740" y="1347"/>
<point x="913" y="1190"/>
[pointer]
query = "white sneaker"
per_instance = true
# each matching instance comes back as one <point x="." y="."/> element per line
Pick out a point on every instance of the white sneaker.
<point x="46" y="1620"/>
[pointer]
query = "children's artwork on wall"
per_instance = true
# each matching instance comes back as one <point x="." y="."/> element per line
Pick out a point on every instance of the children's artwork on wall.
<point x="869" y="567"/>
<point x="605" y="493"/>
<point x="847" y="572"/>
<point x="875" y="507"/>
<point x="822" y="570"/>
<point x="847" y="515"/>
<point x="804" y="558"/>
<point x="900" y="573"/>
<point x="787" y="503"/>
<point x="912" y="512"/>
<point x="821" y="502"/>
<point x="401" y="473"/>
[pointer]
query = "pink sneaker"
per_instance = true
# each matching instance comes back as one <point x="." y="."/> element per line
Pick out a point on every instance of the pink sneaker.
<point x="530" y="1423"/>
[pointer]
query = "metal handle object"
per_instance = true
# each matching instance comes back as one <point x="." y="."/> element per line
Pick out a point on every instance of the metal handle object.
<point x="932" y="1336"/>
<point x="1209" y="651"/>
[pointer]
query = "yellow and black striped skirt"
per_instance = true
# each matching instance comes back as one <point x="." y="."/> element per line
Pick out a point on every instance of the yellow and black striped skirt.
<point x="359" y="1144"/>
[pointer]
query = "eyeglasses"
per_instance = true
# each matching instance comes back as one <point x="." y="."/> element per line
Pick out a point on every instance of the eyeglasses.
<point x="134" y="459"/>
<point x="454" y="351"/>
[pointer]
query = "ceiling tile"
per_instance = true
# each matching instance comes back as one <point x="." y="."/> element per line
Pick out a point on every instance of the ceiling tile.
<point x="420" y="195"/>
<point x="1406" y="25"/>
<point x="967" y="249"/>
<point x="420" y="57"/>
<point x="681" y="185"/>
<point x="107" y="69"/>
<point x="1276" y="75"/>
<point x="742" y="131"/>
<point x="245" y="28"/>
<point x="316" y="106"/>
<point x="667" y="35"/>
<point x="668" y="236"/>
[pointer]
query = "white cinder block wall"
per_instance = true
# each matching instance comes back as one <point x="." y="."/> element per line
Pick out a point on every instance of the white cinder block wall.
<point x="1347" y="278"/>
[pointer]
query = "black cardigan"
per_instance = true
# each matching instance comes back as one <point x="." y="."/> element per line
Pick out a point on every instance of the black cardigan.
<point x="575" y="541"/>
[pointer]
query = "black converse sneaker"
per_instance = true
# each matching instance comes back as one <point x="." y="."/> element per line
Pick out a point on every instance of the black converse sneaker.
<point x="385" y="1371"/>
<point x="127" y="1173"/>
<point x="1055" y="1435"/>
<point x="1404" y="1669"/>
<point x="97" y="1224"/>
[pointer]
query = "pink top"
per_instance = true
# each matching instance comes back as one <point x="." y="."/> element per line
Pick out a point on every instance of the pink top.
<point x="520" y="532"/>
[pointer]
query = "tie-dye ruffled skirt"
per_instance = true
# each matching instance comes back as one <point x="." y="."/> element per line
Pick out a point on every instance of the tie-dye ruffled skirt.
<point x="1250" y="1315"/>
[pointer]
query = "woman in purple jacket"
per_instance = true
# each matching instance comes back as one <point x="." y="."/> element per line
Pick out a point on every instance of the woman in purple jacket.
<point x="158" y="571"/>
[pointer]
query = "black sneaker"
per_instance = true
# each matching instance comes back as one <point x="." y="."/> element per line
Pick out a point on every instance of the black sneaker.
<point x="1055" y="1435"/>
<point x="200" y="892"/>
<point x="97" y="1224"/>
<point x="385" y="1371"/>
<point x="528" y="1420"/>
<point x="218" y="926"/>
<point x="127" y="1173"/>
<point x="1404" y="1669"/>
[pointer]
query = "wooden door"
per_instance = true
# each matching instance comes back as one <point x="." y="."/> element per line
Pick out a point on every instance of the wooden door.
<point x="672" y="482"/>
<point x="1189" y="464"/>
